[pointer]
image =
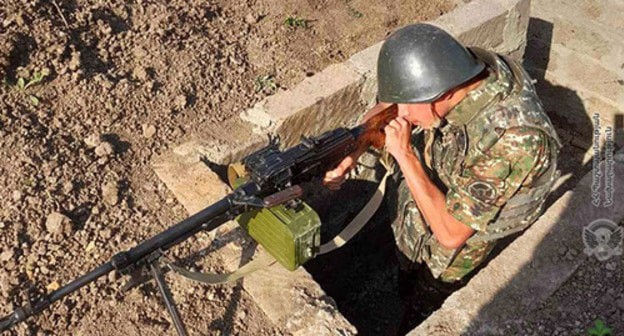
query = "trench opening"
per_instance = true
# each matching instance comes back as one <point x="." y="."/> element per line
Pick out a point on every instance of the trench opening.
<point x="362" y="276"/>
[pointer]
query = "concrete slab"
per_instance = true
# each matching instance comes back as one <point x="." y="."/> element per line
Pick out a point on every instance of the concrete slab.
<point x="320" y="103"/>
<point x="295" y="300"/>
<point x="194" y="185"/>
<point x="529" y="270"/>
<point x="605" y="15"/>
<point x="496" y="25"/>
<point x="603" y="46"/>
<point x="230" y="142"/>
<point x="365" y="63"/>
<point x="563" y="66"/>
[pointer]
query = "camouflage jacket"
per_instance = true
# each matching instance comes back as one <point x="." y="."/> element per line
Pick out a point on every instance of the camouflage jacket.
<point x="495" y="161"/>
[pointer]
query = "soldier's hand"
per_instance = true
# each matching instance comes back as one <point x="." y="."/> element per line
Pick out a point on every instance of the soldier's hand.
<point x="398" y="133"/>
<point x="334" y="178"/>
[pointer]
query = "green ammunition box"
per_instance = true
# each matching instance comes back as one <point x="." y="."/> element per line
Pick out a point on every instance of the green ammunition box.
<point x="292" y="235"/>
<point x="290" y="232"/>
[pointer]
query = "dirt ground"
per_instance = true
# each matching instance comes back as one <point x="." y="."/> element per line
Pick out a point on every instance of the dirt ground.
<point x="594" y="292"/>
<point x="123" y="82"/>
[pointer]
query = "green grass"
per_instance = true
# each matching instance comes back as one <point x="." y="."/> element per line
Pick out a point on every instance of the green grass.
<point x="600" y="328"/>
<point x="22" y="84"/>
<point x="266" y="83"/>
<point x="296" y="22"/>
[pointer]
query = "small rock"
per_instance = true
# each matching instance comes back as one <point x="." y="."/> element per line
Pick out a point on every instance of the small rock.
<point x="7" y="255"/>
<point x="104" y="149"/>
<point x="180" y="102"/>
<point x="17" y="196"/>
<point x="10" y="265"/>
<point x="106" y="233"/>
<point x="90" y="246"/>
<point x="68" y="187"/>
<point x="139" y="52"/>
<point x="5" y="284"/>
<point x="611" y="266"/>
<point x="570" y="256"/>
<point x="241" y="314"/>
<point x="92" y="140"/>
<point x="53" y="286"/>
<point x="74" y="63"/>
<point x="607" y="300"/>
<point x="140" y="73"/>
<point x="149" y="131"/>
<point x="110" y="193"/>
<point x="112" y="276"/>
<point x="102" y="161"/>
<point x="251" y="18"/>
<point x="58" y="224"/>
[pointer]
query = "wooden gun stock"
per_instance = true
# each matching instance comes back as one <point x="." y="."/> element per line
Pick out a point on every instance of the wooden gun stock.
<point x="373" y="134"/>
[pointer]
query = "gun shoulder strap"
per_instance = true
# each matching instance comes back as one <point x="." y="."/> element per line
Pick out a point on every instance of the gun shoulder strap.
<point x="265" y="260"/>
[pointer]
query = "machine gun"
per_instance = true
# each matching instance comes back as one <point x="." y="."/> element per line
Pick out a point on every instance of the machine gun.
<point x="274" y="178"/>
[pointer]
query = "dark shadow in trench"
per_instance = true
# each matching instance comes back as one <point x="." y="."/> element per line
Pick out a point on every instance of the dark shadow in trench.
<point x="362" y="275"/>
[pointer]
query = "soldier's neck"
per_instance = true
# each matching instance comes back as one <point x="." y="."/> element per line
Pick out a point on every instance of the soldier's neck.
<point x="459" y="95"/>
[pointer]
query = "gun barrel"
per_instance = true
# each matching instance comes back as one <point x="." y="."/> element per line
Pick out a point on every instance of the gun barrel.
<point x="6" y="322"/>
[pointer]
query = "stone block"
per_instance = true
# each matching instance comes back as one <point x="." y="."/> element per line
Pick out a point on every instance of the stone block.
<point x="587" y="40"/>
<point x="258" y="116"/>
<point x="605" y="15"/>
<point x="228" y="142"/>
<point x="528" y="271"/>
<point x="296" y="302"/>
<point x="194" y="185"/>
<point x="320" y="103"/>
<point x="494" y="25"/>
<point x="479" y="23"/>
<point x="591" y="76"/>
<point x="515" y="30"/>
<point x="365" y="63"/>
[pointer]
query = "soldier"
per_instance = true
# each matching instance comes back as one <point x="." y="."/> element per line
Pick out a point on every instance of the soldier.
<point x="484" y="165"/>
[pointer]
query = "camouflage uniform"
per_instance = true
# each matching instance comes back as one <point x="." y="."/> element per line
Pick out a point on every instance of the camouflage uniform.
<point x="495" y="161"/>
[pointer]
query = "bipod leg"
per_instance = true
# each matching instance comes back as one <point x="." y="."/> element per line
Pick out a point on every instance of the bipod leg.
<point x="156" y="272"/>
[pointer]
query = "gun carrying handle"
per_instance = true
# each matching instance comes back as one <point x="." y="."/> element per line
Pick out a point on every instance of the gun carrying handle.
<point x="283" y="196"/>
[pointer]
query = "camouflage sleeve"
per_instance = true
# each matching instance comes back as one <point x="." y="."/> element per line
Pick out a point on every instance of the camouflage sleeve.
<point x="494" y="176"/>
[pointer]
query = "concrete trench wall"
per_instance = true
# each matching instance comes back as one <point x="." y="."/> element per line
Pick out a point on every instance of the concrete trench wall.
<point x="332" y="98"/>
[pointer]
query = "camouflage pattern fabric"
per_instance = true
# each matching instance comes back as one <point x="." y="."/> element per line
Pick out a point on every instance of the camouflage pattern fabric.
<point x="495" y="161"/>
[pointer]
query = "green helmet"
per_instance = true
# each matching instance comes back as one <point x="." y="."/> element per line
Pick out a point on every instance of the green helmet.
<point x="420" y="62"/>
